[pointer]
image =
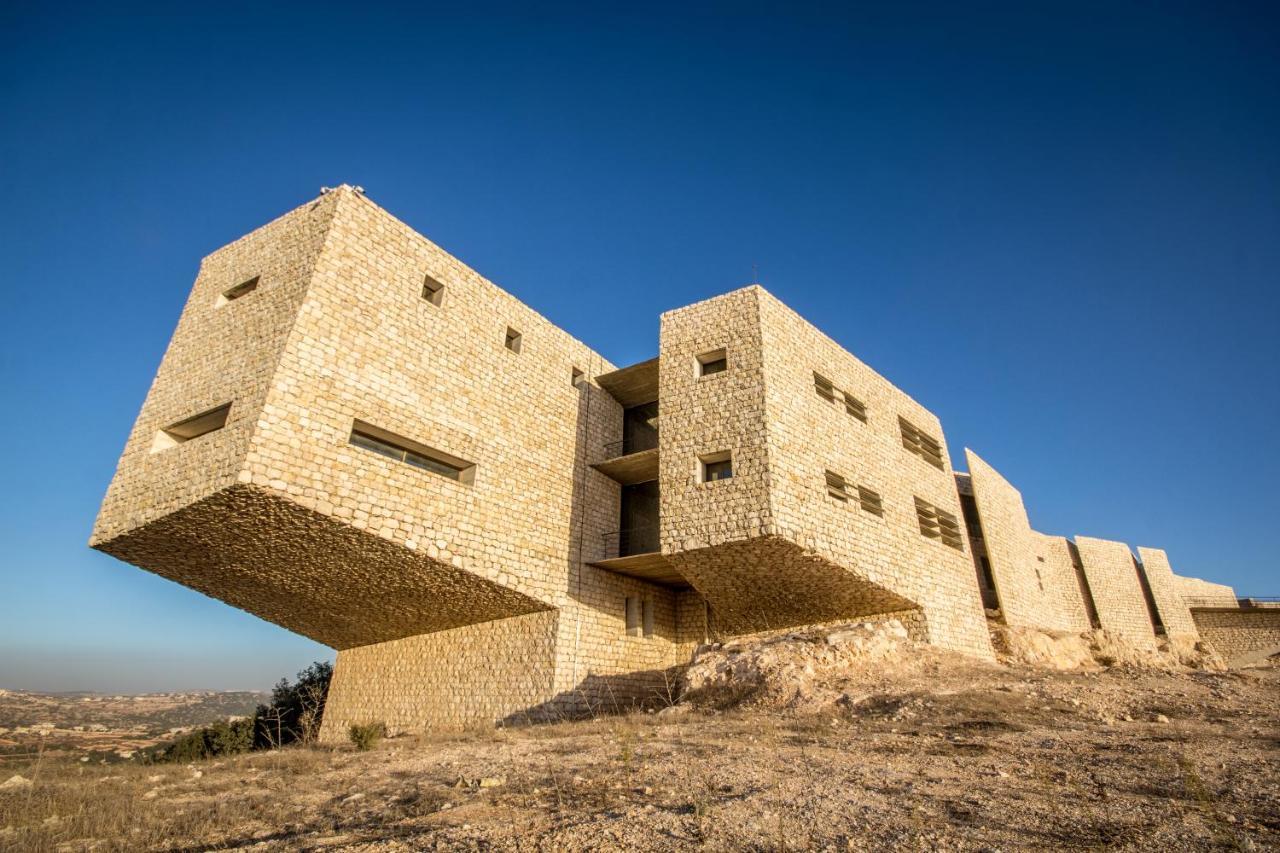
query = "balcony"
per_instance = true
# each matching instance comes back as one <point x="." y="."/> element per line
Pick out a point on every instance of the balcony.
<point x="634" y="552"/>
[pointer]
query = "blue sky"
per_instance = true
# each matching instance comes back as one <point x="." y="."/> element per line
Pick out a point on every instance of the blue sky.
<point x="1057" y="226"/>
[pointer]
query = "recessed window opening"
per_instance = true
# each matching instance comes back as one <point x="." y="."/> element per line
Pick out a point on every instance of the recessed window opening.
<point x="837" y="487"/>
<point x="647" y="617"/>
<point x="432" y="290"/>
<point x="855" y="407"/>
<point x="192" y="427"/>
<point x="938" y="524"/>
<point x="512" y="340"/>
<point x="411" y="453"/>
<point x="825" y="389"/>
<point x="920" y="444"/>
<point x="578" y="378"/>
<point x="870" y="501"/>
<point x="711" y="363"/>
<point x="244" y="288"/>
<point x="715" y="466"/>
<point x="632" y="614"/>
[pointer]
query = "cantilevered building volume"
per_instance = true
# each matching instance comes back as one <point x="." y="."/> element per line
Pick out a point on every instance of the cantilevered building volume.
<point x="359" y="438"/>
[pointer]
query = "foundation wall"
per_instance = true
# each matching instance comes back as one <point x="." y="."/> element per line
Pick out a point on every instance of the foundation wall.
<point x="472" y="676"/>
<point x="1239" y="634"/>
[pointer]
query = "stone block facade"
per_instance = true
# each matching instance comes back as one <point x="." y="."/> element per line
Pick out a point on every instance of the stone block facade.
<point x="354" y="435"/>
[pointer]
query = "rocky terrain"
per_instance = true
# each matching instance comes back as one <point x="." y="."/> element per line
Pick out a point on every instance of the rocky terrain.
<point x="105" y="728"/>
<point x="849" y="739"/>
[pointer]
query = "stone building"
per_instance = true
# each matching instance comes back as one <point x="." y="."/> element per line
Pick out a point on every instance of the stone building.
<point x="355" y="436"/>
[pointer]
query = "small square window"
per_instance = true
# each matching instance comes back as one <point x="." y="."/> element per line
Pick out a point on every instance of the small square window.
<point x="711" y="363"/>
<point x="578" y="378"/>
<point x="244" y="288"/>
<point x="715" y="466"/>
<point x="513" y="340"/>
<point x="432" y="290"/>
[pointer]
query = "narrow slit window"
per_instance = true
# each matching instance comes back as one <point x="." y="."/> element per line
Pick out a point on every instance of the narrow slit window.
<point x="825" y="389"/>
<point x="715" y="466"/>
<point x="647" y="617"/>
<point x="192" y="427"/>
<point x="711" y="363"/>
<point x="512" y="340"/>
<point x="632" y="615"/>
<point x="244" y="288"/>
<point x="577" y="378"/>
<point x="920" y="444"/>
<point x="837" y="487"/>
<point x="870" y="501"/>
<point x="432" y="290"/>
<point x="411" y="453"/>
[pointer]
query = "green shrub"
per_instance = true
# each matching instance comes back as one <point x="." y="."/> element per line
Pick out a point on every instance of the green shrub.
<point x="366" y="735"/>
<point x="293" y="716"/>
<point x="229" y="738"/>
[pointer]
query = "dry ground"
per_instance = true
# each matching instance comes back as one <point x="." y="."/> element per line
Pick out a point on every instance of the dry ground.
<point x="959" y="758"/>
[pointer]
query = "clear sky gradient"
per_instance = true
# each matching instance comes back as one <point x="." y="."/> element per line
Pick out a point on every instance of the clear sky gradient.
<point x="1057" y="226"/>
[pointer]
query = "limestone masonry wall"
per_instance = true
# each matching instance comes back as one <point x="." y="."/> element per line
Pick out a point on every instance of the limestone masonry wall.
<point x="1237" y="634"/>
<point x="1204" y="591"/>
<point x="405" y="474"/>
<point x="1117" y="592"/>
<point x="1169" y="604"/>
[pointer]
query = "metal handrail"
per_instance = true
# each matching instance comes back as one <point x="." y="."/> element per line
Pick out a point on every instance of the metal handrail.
<point x="627" y="446"/>
<point x="632" y="540"/>
<point x="1226" y="602"/>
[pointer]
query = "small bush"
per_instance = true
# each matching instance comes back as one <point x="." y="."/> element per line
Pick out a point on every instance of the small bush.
<point x="366" y="735"/>
<point x="221" y="738"/>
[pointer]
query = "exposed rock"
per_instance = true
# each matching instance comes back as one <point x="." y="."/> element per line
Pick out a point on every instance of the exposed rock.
<point x="16" y="782"/>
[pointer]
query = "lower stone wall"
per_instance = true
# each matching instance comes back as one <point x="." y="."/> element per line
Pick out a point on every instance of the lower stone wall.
<point x="476" y="675"/>
<point x="1237" y="634"/>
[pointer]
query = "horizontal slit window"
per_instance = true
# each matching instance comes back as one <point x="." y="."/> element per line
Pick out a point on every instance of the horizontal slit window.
<point x="192" y="427"/>
<point x="411" y="453"/>
<point x="855" y="407"/>
<point x="921" y="444"/>
<point x="837" y="487"/>
<point x="870" y="501"/>
<point x="825" y="389"/>
<point x="244" y="288"/>
<point x="939" y="524"/>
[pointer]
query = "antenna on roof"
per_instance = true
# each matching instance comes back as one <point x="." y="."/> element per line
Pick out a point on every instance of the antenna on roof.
<point x="755" y="273"/>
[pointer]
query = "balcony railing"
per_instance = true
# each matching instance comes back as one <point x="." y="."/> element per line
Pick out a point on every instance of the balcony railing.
<point x="633" y="444"/>
<point x="633" y="540"/>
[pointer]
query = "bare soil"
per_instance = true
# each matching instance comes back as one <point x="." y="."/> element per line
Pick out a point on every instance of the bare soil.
<point x="951" y="757"/>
